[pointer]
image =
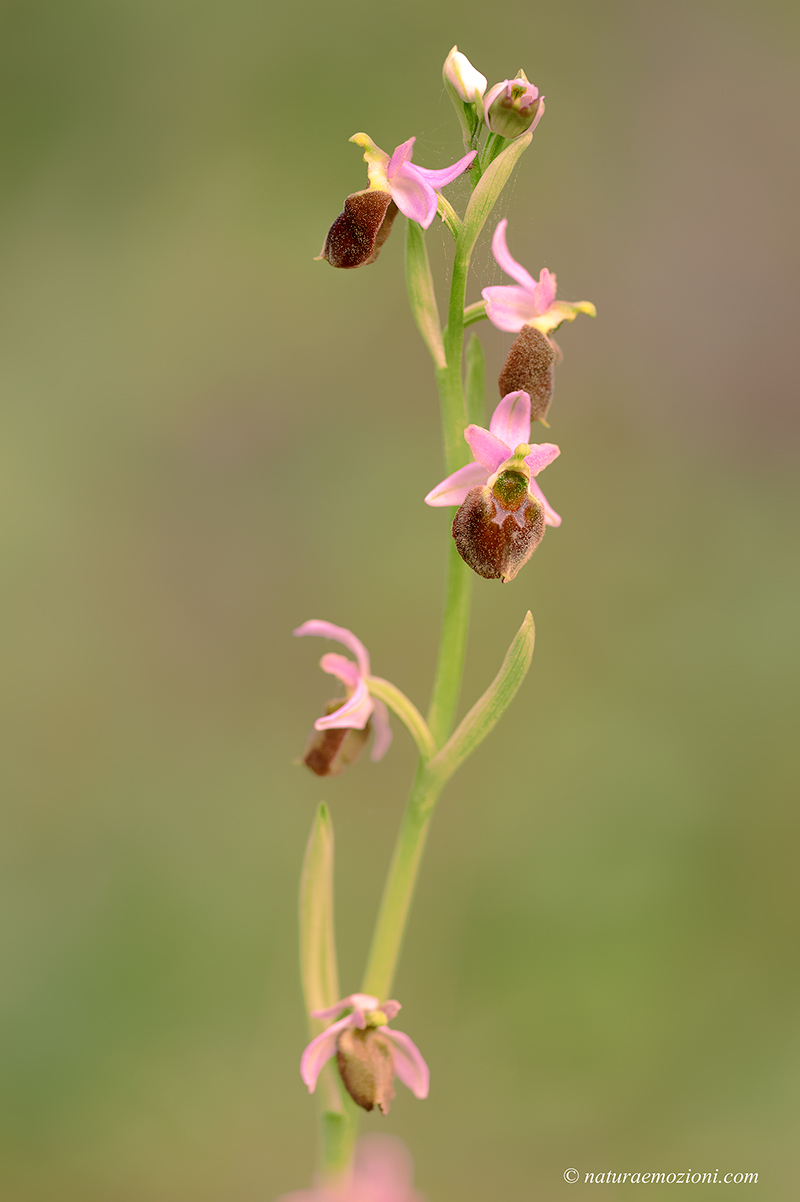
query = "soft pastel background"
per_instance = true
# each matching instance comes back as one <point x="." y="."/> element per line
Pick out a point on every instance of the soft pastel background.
<point x="209" y="437"/>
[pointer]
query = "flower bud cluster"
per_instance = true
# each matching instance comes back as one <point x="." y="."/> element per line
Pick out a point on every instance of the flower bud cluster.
<point x="508" y="109"/>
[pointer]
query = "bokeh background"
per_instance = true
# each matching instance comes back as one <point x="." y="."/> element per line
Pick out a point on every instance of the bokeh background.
<point x="208" y="437"/>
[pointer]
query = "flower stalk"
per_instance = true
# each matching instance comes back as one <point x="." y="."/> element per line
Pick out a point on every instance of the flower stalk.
<point x="500" y="520"/>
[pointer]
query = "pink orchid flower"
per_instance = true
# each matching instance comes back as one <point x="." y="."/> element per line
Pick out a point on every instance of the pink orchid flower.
<point x="359" y="707"/>
<point x="382" y="1172"/>
<point x="510" y="307"/>
<point x="413" y="188"/>
<point x="367" y="1015"/>
<point x="510" y="426"/>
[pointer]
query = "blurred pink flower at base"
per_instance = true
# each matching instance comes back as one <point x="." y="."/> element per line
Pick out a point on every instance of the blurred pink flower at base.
<point x="382" y="1172"/>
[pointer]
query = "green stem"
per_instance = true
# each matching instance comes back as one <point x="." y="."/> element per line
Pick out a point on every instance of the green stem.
<point x="453" y="644"/>
<point x="339" y="1118"/>
<point x="406" y="711"/>
<point x="400" y="883"/>
<point x="495" y="143"/>
<point x="448" y="215"/>
<point x="399" y="890"/>
<point x="474" y="313"/>
<point x="452" y="647"/>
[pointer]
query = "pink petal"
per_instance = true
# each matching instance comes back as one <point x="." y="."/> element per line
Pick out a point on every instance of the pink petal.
<point x="383" y="731"/>
<point x="488" y="101"/>
<point x="341" y="667"/>
<point x="504" y="258"/>
<point x="391" y="1009"/>
<point x="511" y="420"/>
<point x="402" y="154"/>
<point x="440" y="177"/>
<point x="539" y="115"/>
<point x="355" y="711"/>
<point x="409" y="1064"/>
<point x="486" y="447"/>
<point x="509" y="307"/>
<point x="545" y="290"/>
<point x="327" y="630"/>
<point x="453" y="490"/>
<point x="551" y="518"/>
<point x="541" y="454"/>
<point x="413" y="196"/>
<point x="319" y="1052"/>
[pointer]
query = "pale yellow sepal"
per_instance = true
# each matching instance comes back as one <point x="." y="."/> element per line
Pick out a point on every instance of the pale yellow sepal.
<point x="561" y="311"/>
<point x="377" y="161"/>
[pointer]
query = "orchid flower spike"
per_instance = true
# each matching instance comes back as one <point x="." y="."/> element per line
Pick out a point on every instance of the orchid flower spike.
<point x="527" y="303"/>
<point x="382" y="1172"/>
<point x="341" y="727"/>
<point x="502" y="511"/>
<point x="369" y="1052"/>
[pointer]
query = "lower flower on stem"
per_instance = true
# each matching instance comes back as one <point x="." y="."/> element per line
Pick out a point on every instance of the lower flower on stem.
<point x="339" y="736"/>
<point x="370" y="1054"/>
<point x="382" y="1172"/>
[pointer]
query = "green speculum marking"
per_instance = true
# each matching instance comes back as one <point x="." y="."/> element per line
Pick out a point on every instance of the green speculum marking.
<point x="510" y="489"/>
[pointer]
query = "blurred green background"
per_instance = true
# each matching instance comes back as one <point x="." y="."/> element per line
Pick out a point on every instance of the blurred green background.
<point x="208" y="437"/>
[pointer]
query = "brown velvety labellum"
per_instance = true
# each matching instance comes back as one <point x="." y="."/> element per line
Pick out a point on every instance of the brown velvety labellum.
<point x="496" y="551"/>
<point x="366" y="1066"/>
<point x="360" y="230"/>
<point x="328" y="752"/>
<point x="529" y="368"/>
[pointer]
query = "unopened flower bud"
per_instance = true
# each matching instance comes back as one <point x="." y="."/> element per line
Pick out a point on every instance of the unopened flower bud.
<point x="513" y="106"/>
<point x="462" y="77"/>
<point x="360" y="230"/>
<point x="366" y="1065"/>
<point x="500" y="525"/>
<point x="529" y="368"/>
<point x="329" y="752"/>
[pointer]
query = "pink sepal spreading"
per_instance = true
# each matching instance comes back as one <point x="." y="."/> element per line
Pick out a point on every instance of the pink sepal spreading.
<point x="529" y="302"/>
<point x="359" y="706"/>
<point x="510" y="426"/>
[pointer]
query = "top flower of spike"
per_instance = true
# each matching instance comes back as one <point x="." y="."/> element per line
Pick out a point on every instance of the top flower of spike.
<point x="413" y="188"/>
<point x="358" y="233"/>
<point x="528" y="303"/>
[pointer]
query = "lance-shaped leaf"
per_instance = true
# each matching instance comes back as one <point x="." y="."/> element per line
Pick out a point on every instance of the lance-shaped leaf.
<point x="420" y="292"/>
<point x="475" y="385"/>
<point x="483" y="199"/>
<point x="488" y="711"/>
<point x="317" y="940"/>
